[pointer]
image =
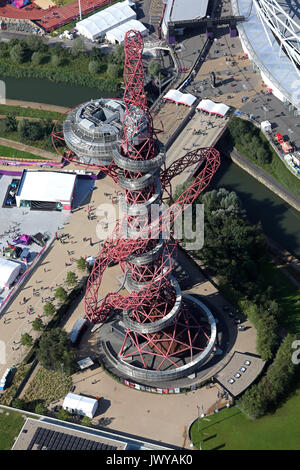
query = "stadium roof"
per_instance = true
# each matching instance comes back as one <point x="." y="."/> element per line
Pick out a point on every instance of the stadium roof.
<point x="98" y="24"/>
<point x="272" y="62"/>
<point x="178" y="10"/>
<point x="48" y="186"/>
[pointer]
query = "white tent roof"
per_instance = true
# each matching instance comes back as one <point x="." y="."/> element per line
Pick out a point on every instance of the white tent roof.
<point x="9" y="270"/>
<point x="214" y="108"/>
<point x="48" y="186"/>
<point x="83" y="405"/>
<point x="118" y="33"/>
<point x="105" y="20"/>
<point x="265" y="125"/>
<point x="178" y="97"/>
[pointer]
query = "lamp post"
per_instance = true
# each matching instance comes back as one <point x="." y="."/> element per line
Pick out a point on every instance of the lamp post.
<point x="79" y="8"/>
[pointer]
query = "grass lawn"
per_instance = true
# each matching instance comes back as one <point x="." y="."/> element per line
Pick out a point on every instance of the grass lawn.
<point x="46" y="386"/>
<point x="29" y="112"/>
<point x="18" y="154"/>
<point x="275" y="168"/>
<point x="11" y="423"/>
<point x="231" y="430"/>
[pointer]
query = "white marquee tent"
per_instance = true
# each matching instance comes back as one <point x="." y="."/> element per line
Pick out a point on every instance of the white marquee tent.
<point x="100" y="23"/>
<point x="81" y="405"/>
<point x="213" y="108"/>
<point x="117" y="35"/>
<point x="9" y="270"/>
<point x="182" y="98"/>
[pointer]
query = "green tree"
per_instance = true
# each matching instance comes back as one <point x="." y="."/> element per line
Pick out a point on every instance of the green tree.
<point x="112" y="71"/>
<point x="41" y="409"/>
<point x="19" y="403"/>
<point x="26" y="340"/>
<point x="78" y="47"/>
<point x="37" y="324"/>
<point x="71" y="279"/>
<point x="61" y="294"/>
<point x="23" y="129"/>
<point x="96" y="54"/>
<point x="55" y="349"/>
<point x="118" y="56"/>
<point x="63" y="415"/>
<point x="49" y="309"/>
<point x="154" y="68"/>
<point x="11" y="124"/>
<point x="81" y="264"/>
<point x="36" y="58"/>
<point x="94" y="66"/>
<point x="19" y="53"/>
<point x="33" y="42"/>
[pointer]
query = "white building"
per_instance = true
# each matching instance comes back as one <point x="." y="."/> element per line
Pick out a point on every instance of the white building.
<point x="9" y="270"/>
<point x="100" y="23"/>
<point x="117" y="35"/>
<point x="81" y="405"/>
<point x="46" y="190"/>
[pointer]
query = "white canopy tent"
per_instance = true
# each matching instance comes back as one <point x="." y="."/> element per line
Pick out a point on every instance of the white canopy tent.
<point x="266" y="126"/>
<point x="46" y="186"/>
<point x="117" y="35"/>
<point x="182" y="98"/>
<point x="81" y="405"/>
<point x="9" y="270"/>
<point x="214" y="108"/>
<point x="100" y="23"/>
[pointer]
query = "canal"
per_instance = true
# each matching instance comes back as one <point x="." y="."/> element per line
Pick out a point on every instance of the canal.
<point x="280" y="221"/>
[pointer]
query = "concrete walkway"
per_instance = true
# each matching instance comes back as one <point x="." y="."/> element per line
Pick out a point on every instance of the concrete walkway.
<point x="31" y="104"/>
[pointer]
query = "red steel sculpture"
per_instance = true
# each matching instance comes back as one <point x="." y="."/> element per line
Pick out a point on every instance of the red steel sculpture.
<point x="159" y="322"/>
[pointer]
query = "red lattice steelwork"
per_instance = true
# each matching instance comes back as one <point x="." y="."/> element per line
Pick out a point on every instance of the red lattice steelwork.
<point x="155" y="295"/>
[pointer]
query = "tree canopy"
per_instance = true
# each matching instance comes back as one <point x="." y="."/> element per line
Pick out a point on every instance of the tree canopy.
<point x="55" y="349"/>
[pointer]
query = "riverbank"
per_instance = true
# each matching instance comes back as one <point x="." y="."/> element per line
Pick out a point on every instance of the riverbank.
<point x="263" y="177"/>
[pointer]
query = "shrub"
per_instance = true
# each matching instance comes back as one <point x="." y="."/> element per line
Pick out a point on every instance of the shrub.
<point x="63" y="415"/>
<point x="41" y="409"/>
<point x="94" y="66"/>
<point x="55" y="60"/>
<point x="36" y="58"/>
<point x="19" y="403"/>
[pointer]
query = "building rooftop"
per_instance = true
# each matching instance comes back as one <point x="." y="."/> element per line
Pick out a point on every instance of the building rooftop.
<point x="248" y="366"/>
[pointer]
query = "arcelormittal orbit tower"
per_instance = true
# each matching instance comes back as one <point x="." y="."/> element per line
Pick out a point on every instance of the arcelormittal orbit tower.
<point x="166" y="335"/>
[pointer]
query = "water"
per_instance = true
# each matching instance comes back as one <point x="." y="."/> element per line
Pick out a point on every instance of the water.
<point x="44" y="91"/>
<point x="280" y="222"/>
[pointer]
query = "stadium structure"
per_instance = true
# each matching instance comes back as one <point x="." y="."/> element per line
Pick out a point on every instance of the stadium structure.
<point x="270" y="37"/>
<point x="166" y="335"/>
